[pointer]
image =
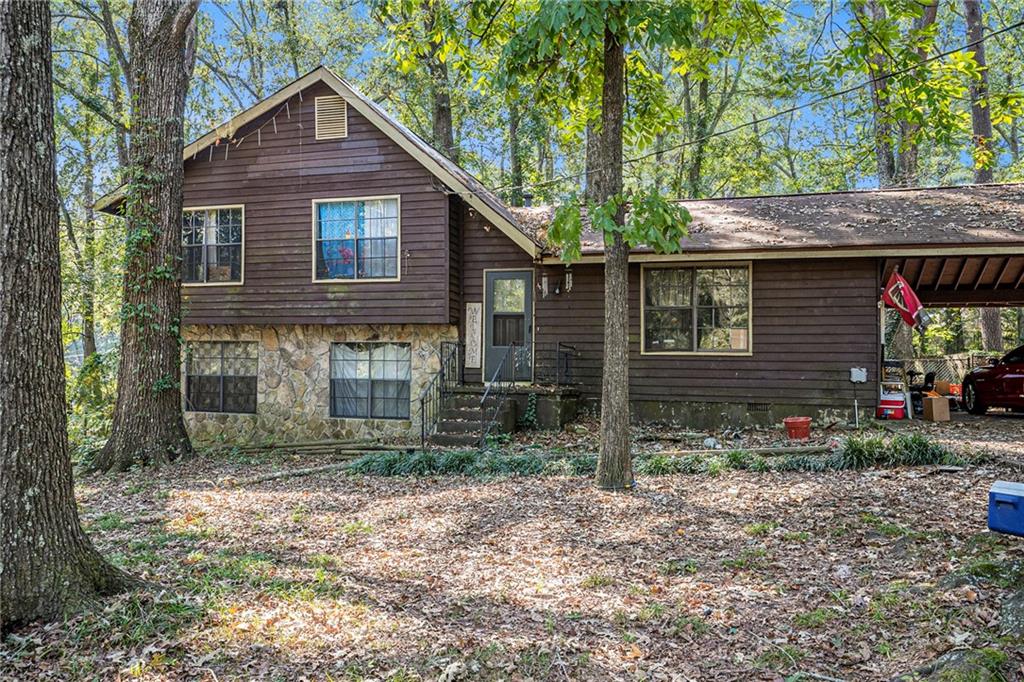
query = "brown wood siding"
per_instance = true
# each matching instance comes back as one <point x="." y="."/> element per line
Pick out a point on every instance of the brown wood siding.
<point x="484" y="250"/>
<point x="276" y="178"/>
<point x="812" y="321"/>
<point x="454" y="258"/>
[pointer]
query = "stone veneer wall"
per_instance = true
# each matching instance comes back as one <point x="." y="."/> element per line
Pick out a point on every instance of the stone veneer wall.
<point x="293" y="383"/>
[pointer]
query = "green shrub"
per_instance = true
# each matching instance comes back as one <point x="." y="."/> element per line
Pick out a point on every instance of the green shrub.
<point x="376" y="464"/>
<point x="916" y="450"/>
<point x="739" y="459"/>
<point x="861" y="453"/>
<point x="456" y="462"/>
<point x="658" y="465"/>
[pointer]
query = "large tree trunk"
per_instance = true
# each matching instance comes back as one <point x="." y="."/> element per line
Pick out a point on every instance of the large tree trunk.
<point x="883" y="127"/>
<point x="907" y="153"/>
<point x="981" y="124"/>
<point x="992" y="329"/>
<point x="148" y="425"/>
<point x="614" y="466"/>
<point x="48" y="567"/>
<point x="440" y="89"/>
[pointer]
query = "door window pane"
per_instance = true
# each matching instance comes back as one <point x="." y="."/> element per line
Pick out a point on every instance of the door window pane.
<point x="509" y="295"/>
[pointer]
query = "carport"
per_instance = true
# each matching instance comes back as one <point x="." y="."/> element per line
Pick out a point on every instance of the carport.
<point x="970" y="279"/>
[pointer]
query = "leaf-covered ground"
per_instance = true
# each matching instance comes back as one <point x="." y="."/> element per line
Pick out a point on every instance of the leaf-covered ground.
<point x="742" y="576"/>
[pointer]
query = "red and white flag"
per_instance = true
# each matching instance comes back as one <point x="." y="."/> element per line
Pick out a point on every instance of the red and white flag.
<point x="899" y="295"/>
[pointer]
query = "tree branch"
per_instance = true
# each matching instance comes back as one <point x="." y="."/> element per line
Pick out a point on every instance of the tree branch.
<point x="92" y="105"/>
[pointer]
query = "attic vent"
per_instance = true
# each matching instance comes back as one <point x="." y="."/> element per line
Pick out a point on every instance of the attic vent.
<point x="331" y="118"/>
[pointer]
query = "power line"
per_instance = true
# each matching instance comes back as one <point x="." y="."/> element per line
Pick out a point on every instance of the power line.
<point x="777" y="114"/>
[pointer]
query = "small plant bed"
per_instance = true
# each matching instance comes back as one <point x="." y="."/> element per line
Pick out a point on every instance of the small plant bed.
<point x="853" y="452"/>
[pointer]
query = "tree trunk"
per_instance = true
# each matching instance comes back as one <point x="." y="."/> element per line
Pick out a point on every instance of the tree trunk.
<point x="981" y="125"/>
<point x="88" y="274"/>
<point x="48" y="567"/>
<point x="883" y="128"/>
<point x="515" y="147"/>
<point x="440" y="90"/>
<point x="907" y="153"/>
<point x="614" y="466"/>
<point x="992" y="329"/>
<point x="901" y="343"/>
<point x="148" y="425"/>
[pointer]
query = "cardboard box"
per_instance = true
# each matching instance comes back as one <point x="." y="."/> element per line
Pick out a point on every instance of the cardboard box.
<point x="942" y="387"/>
<point x="936" y="409"/>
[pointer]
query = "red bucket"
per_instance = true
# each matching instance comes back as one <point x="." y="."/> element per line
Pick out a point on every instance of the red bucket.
<point x="798" y="428"/>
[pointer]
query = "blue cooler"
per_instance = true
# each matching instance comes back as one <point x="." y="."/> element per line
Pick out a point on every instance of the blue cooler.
<point x="1006" y="508"/>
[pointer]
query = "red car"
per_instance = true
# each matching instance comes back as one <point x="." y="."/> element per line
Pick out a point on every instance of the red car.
<point x="1000" y="384"/>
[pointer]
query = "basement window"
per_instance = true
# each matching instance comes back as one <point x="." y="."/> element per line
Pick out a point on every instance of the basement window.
<point x="211" y="240"/>
<point x="686" y="310"/>
<point x="370" y="380"/>
<point x="220" y="376"/>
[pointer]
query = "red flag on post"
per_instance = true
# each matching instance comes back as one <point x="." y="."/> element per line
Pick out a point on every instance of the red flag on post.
<point x="899" y="295"/>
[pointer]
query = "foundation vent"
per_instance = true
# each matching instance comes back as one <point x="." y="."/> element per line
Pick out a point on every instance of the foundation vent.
<point x="759" y="407"/>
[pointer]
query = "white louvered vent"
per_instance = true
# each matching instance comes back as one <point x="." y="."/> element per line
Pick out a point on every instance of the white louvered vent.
<point x="331" y="118"/>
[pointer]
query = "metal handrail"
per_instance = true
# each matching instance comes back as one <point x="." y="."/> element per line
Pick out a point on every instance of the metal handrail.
<point x="501" y="386"/>
<point x="564" y="352"/>
<point x="436" y="392"/>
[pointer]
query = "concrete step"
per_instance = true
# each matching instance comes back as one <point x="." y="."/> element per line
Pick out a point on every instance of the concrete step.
<point x="455" y="439"/>
<point x="468" y="400"/>
<point x="459" y="426"/>
<point x="463" y="413"/>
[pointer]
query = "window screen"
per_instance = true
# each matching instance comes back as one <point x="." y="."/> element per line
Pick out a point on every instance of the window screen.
<point x="221" y="377"/>
<point x="370" y="380"/>
<point x="211" y="245"/>
<point x="357" y="239"/>
<point x="696" y="309"/>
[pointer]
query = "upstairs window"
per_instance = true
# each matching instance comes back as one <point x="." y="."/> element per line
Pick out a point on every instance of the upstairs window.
<point x="370" y="380"/>
<point x="220" y="376"/>
<point x="356" y="239"/>
<point x="696" y="310"/>
<point x="211" y="241"/>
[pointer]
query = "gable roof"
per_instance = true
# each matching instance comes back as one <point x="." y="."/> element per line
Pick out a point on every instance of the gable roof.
<point x="834" y="223"/>
<point x="450" y="173"/>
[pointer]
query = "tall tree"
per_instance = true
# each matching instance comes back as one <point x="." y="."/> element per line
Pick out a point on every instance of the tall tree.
<point x="148" y="425"/>
<point x="425" y="38"/>
<point x="981" y="127"/>
<point x="48" y="566"/>
<point x="570" y="47"/>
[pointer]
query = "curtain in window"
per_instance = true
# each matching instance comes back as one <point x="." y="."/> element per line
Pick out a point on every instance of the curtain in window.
<point x="337" y="224"/>
<point x="370" y="380"/>
<point x="357" y="239"/>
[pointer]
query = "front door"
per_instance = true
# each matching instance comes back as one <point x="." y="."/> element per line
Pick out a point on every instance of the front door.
<point x="508" y="319"/>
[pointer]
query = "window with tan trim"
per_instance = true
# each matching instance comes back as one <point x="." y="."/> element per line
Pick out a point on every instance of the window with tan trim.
<point x="211" y="244"/>
<point x="356" y="239"/>
<point x="704" y="309"/>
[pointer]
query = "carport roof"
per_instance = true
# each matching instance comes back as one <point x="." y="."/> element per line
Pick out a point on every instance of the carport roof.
<point x="968" y="216"/>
